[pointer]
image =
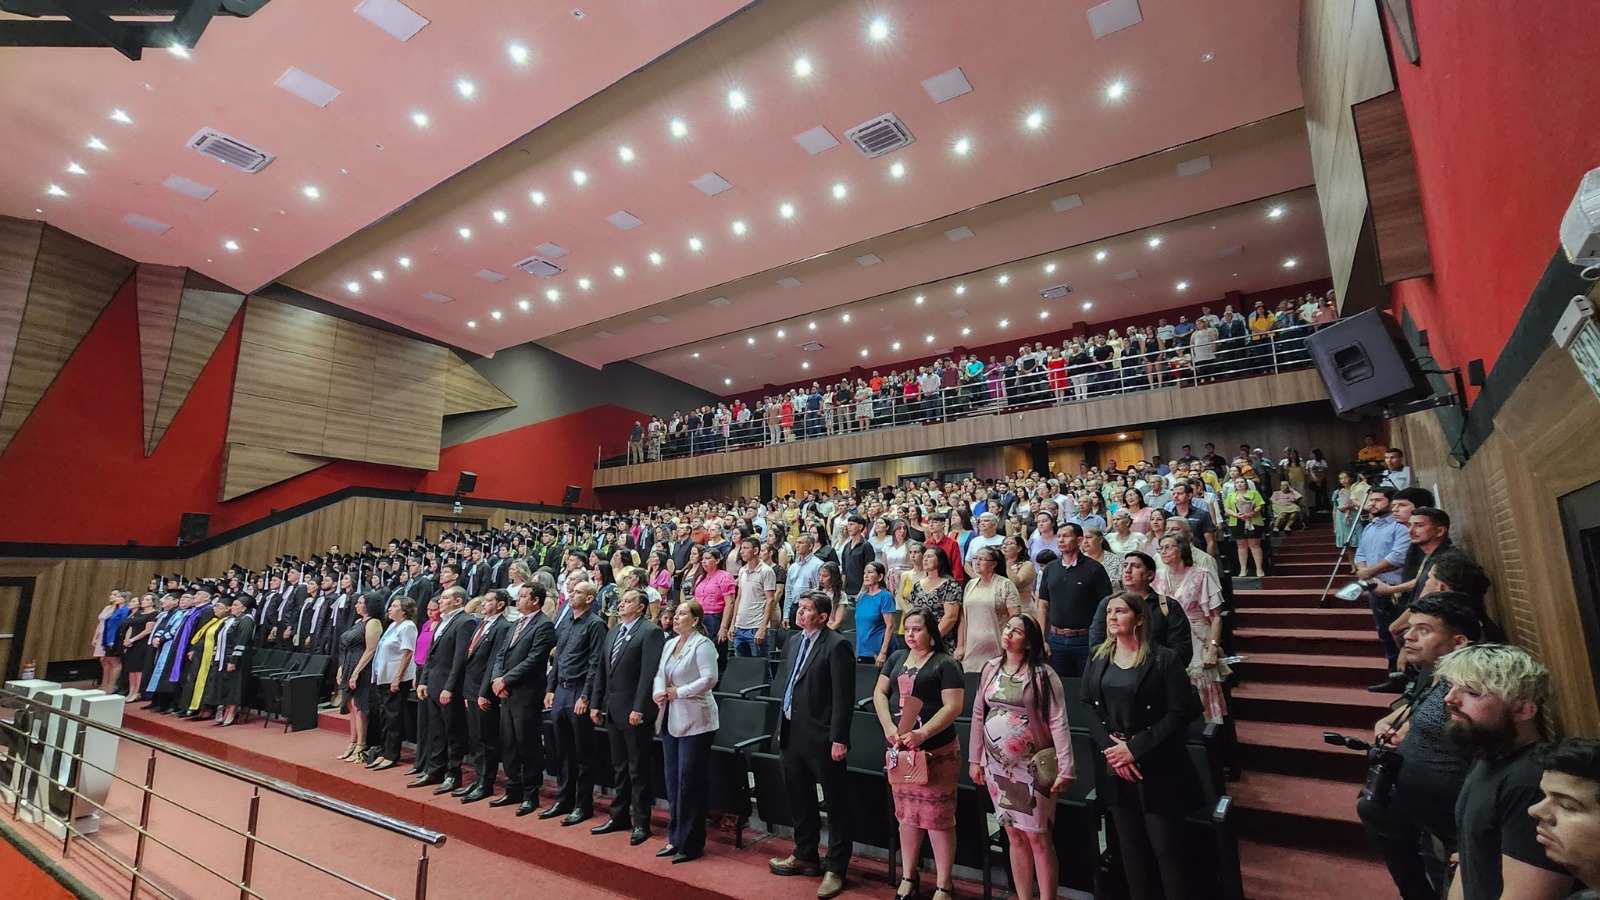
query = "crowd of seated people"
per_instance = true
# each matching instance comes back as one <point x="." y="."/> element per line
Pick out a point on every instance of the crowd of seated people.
<point x="1098" y="365"/>
<point x="1101" y="591"/>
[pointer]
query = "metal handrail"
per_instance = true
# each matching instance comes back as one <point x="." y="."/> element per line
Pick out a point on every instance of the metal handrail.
<point x="294" y="792"/>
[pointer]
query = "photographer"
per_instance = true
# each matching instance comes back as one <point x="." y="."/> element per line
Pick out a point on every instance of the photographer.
<point x="1496" y="701"/>
<point x="1415" y="830"/>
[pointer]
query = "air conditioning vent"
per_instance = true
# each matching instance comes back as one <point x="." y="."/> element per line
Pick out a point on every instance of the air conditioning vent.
<point x="811" y="346"/>
<point x="875" y="137"/>
<point x="538" y="265"/>
<point x="229" y="151"/>
<point x="1052" y="293"/>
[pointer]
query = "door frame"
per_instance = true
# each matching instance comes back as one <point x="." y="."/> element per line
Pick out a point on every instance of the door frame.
<point x="19" y="630"/>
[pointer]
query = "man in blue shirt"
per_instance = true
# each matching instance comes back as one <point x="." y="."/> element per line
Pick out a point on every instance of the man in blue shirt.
<point x="1085" y="516"/>
<point x="1379" y="558"/>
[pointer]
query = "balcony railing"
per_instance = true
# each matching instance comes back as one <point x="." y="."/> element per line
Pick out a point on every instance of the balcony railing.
<point x="1246" y="357"/>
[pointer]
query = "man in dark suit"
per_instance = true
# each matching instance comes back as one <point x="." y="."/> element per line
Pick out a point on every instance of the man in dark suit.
<point x="813" y="738"/>
<point x="483" y="707"/>
<point x="439" y="685"/>
<point x="287" y="612"/>
<point x="620" y="700"/>
<point x="475" y="573"/>
<point x="518" y="680"/>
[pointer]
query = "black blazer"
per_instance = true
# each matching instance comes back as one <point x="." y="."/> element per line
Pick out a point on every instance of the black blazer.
<point x="481" y="661"/>
<point x="824" y="695"/>
<point x="446" y="668"/>
<point x="1171" y="631"/>
<point x="525" y="664"/>
<point x="625" y="686"/>
<point x="1164" y="705"/>
<point x="475" y="578"/>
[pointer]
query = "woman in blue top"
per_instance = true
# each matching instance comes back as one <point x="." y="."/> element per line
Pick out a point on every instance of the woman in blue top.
<point x="874" y="616"/>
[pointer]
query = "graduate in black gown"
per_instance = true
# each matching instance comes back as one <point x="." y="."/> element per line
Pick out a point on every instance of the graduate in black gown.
<point x="232" y="662"/>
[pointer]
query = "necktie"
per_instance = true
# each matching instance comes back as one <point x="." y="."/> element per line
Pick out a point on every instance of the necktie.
<point x="800" y="660"/>
<point x="477" y="635"/>
<point x="522" y="623"/>
<point x="618" y="644"/>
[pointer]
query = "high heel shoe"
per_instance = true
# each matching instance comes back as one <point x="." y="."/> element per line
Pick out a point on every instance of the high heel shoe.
<point x="345" y="756"/>
<point x="907" y="890"/>
<point x="356" y="754"/>
<point x="947" y="892"/>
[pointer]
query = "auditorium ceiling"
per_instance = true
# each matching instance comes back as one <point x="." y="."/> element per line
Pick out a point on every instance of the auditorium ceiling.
<point x="688" y="168"/>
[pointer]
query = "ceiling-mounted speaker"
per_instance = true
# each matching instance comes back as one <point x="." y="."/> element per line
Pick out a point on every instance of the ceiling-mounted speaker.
<point x="1365" y="364"/>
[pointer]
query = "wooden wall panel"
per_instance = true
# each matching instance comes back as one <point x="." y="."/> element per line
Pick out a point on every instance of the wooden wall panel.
<point x="282" y="374"/>
<point x="1504" y="509"/>
<point x="159" y="292"/>
<point x="295" y="427"/>
<point x="19" y="247"/>
<point x="203" y="320"/>
<point x="466" y="391"/>
<point x="1390" y="172"/>
<point x="1130" y="411"/>
<point x="249" y="468"/>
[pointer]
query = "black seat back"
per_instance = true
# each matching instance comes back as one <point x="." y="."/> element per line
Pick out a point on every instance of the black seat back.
<point x="867" y="743"/>
<point x="742" y="672"/>
<point x="739" y="720"/>
<point x="866" y="681"/>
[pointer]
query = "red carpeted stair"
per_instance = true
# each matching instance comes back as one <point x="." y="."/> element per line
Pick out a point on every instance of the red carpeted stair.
<point x="1307" y="673"/>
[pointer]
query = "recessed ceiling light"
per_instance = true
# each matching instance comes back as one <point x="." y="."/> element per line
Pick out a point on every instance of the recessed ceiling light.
<point x="552" y="295"/>
<point x="353" y="287"/>
<point x="419" y="119"/>
<point x="495" y="315"/>
<point x="812" y="325"/>
<point x="1004" y="322"/>
<point x="898" y="170"/>
<point x="580" y="177"/>
<point x="536" y="197"/>
<point x="1044" y="313"/>
<point x="584" y="283"/>
<point x="625" y="153"/>
<point x="863" y="351"/>
<point x="524" y="305"/>
<point x="655" y="258"/>
<point x="377" y="274"/>
<point x="1182" y="285"/>
<point x="471" y="324"/>
<point x="918" y="299"/>
<point x="466" y="233"/>
<point x="695" y="244"/>
<point x="751" y="340"/>
<point x="1100" y="256"/>
<point x="695" y="354"/>
<point x="230" y="244"/>
<point x="966" y="331"/>
<point x="727" y="381"/>
<point x="1275" y="213"/>
<point x="118" y="115"/>
<point x="736" y="99"/>
<point x="781" y="334"/>
<point x="802" y="67"/>
<point x="1004" y="279"/>
<point x="678" y="128"/>
<point x="845" y="318"/>
<point x="466" y="88"/>
<point x="1088" y="305"/>
<point x="840" y="191"/>
<point x="1035" y="120"/>
<point x="739" y="228"/>
<point x="618" y="271"/>
<point x="499" y="216"/>
<point x="96" y="144"/>
<point x="518" y="53"/>
<point x="1049" y="268"/>
<point x="75" y="169"/>
<point x="928" y="339"/>
<point x="962" y="146"/>
<point x="312" y="192"/>
<point x="404" y="262"/>
<point x="878" y="30"/>
<point x="786" y="210"/>
<point x="55" y="190"/>
<point x="960" y="289"/>
<point x="1290" y="263"/>
<point x="1154" y="242"/>
<point x="1116" y="89"/>
<point x="895" y="346"/>
<point x="805" y="365"/>
<point x="179" y="50"/>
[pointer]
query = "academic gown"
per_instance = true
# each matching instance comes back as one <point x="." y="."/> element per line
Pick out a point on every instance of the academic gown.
<point x="197" y="674"/>
<point x="168" y="672"/>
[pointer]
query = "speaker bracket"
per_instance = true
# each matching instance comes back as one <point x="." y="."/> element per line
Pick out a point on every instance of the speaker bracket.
<point x="1406" y="409"/>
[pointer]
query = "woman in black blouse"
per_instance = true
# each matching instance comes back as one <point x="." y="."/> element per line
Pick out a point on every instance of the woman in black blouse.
<point x="1143" y="705"/>
<point x="920" y="693"/>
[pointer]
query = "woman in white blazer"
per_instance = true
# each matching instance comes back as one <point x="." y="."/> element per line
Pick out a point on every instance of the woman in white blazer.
<point x="689" y="713"/>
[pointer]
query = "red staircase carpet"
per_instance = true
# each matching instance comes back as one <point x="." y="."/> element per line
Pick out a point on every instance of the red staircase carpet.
<point x="1307" y="672"/>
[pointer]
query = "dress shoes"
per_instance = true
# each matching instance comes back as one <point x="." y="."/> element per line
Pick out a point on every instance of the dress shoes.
<point x="609" y="826"/>
<point x="186" y="714"/>
<point x="464" y="790"/>
<point x="684" y="857"/>
<point x="639" y="836"/>
<point x="448" y="786"/>
<point x="426" y="781"/>
<point x="507" y="800"/>
<point x="478" y="792"/>
<point x="668" y="850"/>
<point x="578" y="816"/>
<point x="413" y="771"/>
<point x="527" y="808"/>
<point x="832" y="886"/>
<point x="790" y="865"/>
<point x="554" y="811"/>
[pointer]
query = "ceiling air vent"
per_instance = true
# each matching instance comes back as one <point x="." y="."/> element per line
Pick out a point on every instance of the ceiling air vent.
<point x="229" y="151"/>
<point x="811" y="346"/>
<point x="538" y="265"/>
<point x="875" y="137"/>
<point x="1060" y="290"/>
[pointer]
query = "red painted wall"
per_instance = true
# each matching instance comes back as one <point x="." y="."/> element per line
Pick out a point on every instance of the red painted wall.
<point x="1502" y="114"/>
<point x="77" y="473"/>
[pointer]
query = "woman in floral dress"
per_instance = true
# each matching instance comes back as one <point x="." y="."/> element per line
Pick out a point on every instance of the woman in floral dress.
<point x="1200" y="595"/>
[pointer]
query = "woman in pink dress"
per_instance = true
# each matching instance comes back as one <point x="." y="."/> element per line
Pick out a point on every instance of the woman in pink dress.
<point x="1200" y="594"/>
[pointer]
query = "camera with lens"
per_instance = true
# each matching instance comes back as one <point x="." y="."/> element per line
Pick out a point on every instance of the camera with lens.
<point x="1383" y="765"/>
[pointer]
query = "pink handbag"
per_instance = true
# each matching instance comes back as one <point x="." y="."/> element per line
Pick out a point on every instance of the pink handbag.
<point x="906" y="766"/>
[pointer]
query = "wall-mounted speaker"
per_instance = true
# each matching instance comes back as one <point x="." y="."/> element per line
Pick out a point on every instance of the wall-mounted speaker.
<point x="570" y="498"/>
<point x="1365" y="364"/>
<point x="466" y="482"/>
<point x="193" y="527"/>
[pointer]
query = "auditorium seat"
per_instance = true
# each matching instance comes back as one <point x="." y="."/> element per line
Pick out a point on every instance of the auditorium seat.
<point x="866" y="683"/>
<point x="743" y="726"/>
<point x="873" y="823"/>
<point x="1215" y="849"/>
<point x="745" y="677"/>
<point x="772" y="798"/>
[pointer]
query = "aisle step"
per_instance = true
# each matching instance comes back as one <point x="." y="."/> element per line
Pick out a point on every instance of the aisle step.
<point x="1314" y="618"/>
<point x="1332" y="708"/>
<point x="1311" y="669"/>
<point x="1295" y="598"/>
<point x="1294" y="811"/>
<point x="1298" y="750"/>
<point x="1317" y="642"/>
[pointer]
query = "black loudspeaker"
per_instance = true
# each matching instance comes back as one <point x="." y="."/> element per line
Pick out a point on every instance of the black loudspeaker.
<point x="1366" y="365"/>
<point x="571" y="496"/>
<point x="466" y="482"/>
<point x="193" y="527"/>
